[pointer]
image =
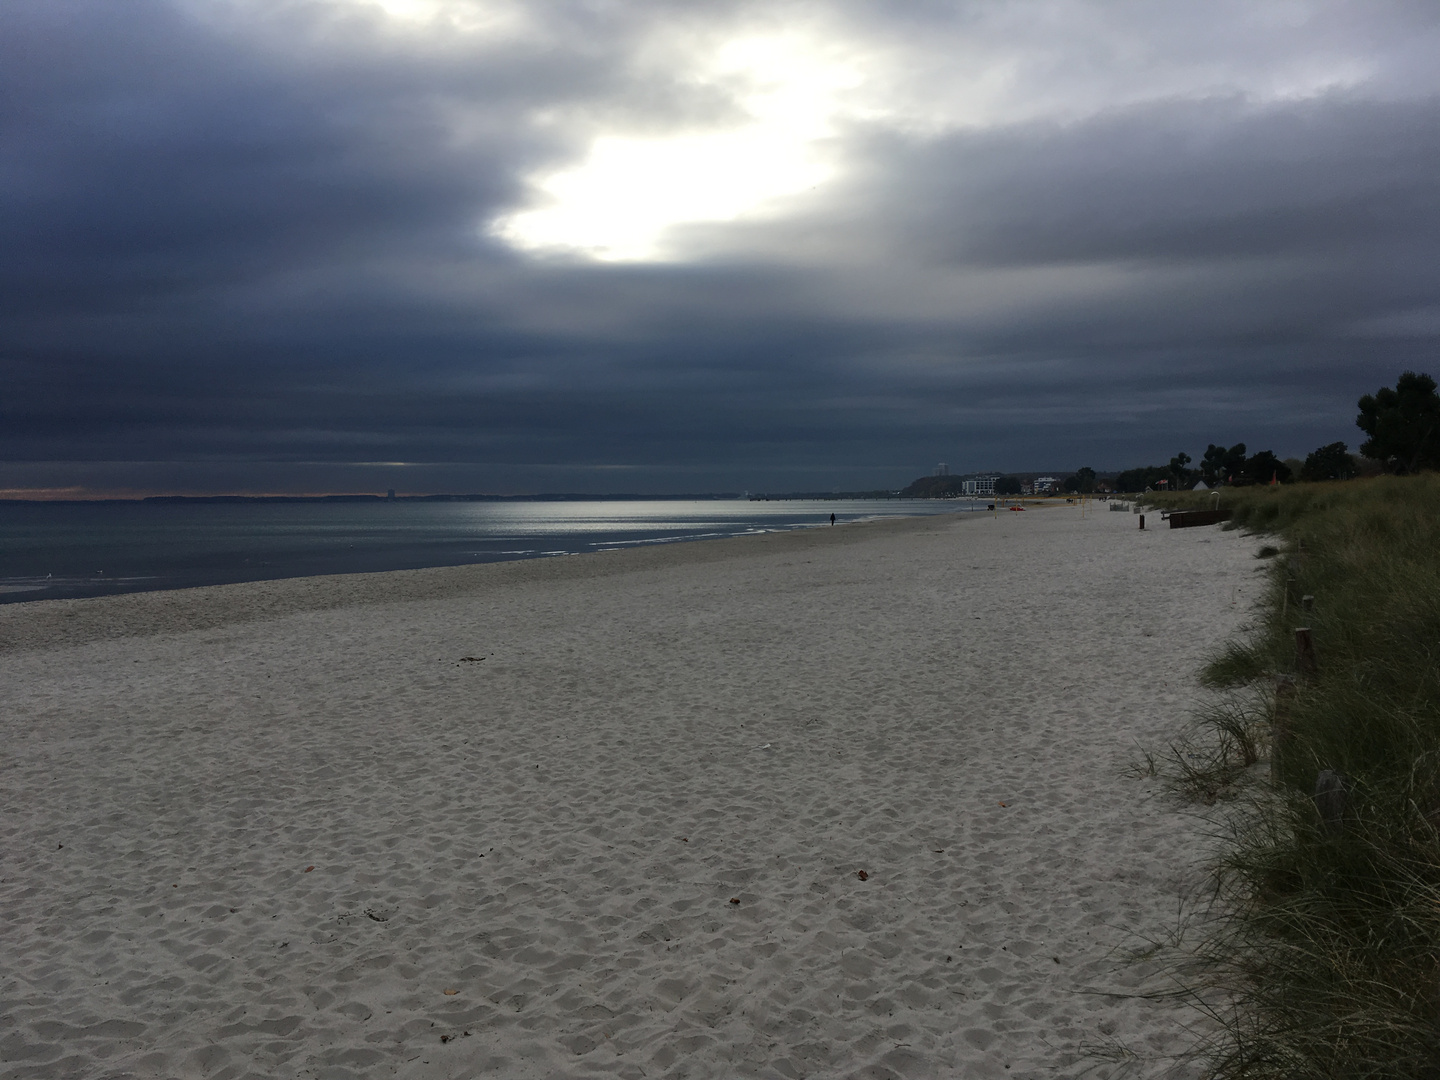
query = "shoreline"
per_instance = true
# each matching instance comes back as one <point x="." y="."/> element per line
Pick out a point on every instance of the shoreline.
<point x="620" y="806"/>
<point x="44" y="623"/>
<point x="212" y="547"/>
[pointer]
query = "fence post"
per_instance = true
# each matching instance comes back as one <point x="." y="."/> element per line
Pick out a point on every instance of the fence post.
<point x="1330" y="793"/>
<point x="1305" y="663"/>
<point x="1280" y="725"/>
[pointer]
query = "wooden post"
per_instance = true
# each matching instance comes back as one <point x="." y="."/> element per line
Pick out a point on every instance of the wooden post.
<point x="1305" y="662"/>
<point x="1307" y="602"/>
<point x="1330" y="792"/>
<point x="1280" y="725"/>
<point x="1142" y="522"/>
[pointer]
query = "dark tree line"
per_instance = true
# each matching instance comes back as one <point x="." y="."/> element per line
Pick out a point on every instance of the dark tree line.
<point x="934" y="487"/>
<point x="1220" y="466"/>
<point x="1403" y="425"/>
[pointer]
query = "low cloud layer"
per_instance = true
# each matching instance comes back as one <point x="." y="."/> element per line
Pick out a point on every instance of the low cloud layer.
<point x="347" y="246"/>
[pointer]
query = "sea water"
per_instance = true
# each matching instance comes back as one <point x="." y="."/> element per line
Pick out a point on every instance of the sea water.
<point x="50" y="550"/>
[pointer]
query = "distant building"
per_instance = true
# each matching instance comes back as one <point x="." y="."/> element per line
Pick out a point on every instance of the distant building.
<point x="1044" y="484"/>
<point x="942" y="469"/>
<point x="980" y="485"/>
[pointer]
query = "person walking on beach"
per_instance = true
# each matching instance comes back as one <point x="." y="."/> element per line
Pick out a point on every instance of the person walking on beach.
<point x="832" y="519"/>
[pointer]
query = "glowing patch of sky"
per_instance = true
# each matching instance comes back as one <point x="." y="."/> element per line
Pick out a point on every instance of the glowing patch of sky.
<point x="470" y="16"/>
<point x="799" y="82"/>
<point x="622" y="200"/>
<point x="618" y="203"/>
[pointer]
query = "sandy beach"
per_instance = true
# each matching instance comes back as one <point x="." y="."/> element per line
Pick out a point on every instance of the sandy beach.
<point x="843" y="802"/>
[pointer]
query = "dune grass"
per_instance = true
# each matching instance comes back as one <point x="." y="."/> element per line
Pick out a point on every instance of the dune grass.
<point x="1329" y="946"/>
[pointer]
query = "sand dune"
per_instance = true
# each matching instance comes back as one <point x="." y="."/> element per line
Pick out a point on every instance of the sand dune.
<point x="267" y="829"/>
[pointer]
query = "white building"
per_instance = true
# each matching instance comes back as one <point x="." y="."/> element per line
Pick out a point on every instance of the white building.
<point x="980" y="485"/>
<point x="1046" y="483"/>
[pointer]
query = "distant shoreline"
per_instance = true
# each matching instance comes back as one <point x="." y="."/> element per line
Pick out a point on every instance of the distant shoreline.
<point x="733" y="496"/>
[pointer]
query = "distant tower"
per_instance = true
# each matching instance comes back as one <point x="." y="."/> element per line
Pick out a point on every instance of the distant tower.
<point x="942" y="469"/>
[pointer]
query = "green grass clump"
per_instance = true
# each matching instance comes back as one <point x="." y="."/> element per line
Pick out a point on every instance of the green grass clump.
<point x="1329" y="945"/>
<point x="1239" y="664"/>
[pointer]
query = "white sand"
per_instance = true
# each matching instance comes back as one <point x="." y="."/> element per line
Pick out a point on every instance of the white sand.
<point x="556" y="832"/>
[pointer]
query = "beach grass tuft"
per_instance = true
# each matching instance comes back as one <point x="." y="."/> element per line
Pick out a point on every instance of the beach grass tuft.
<point x="1327" y="948"/>
<point x="1238" y="664"/>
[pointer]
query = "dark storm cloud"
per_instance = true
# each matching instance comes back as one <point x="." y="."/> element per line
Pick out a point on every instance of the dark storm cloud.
<point x="149" y="159"/>
<point x="1188" y="181"/>
<point x="221" y="251"/>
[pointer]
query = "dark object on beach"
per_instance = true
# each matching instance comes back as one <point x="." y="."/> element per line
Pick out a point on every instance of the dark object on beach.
<point x="308" y="869"/>
<point x="1330" y="793"/>
<point x="471" y="659"/>
<point x="1305" y="662"/>
<point x="734" y="899"/>
<point x="1188" y="519"/>
<point x="862" y="875"/>
<point x="832" y="519"/>
<point x="1142" y="522"/>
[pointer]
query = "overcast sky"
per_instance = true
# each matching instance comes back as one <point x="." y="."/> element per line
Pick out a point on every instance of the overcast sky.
<point x="601" y="245"/>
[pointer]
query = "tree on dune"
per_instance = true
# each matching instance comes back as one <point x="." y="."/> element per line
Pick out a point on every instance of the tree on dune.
<point x="1219" y="464"/>
<point x="1329" y="462"/>
<point x="1264" y="467"/>
<point x="1403" y="424"/>
<point x="1083" y="481"/>
<point x="1181" y="476"/>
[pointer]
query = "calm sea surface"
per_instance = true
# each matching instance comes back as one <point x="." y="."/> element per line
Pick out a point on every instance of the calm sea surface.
<point x="50" y="550"/>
